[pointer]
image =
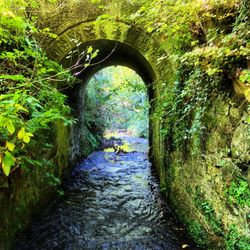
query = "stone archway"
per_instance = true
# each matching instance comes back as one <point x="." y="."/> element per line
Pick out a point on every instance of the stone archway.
<point x="119" y="43"/>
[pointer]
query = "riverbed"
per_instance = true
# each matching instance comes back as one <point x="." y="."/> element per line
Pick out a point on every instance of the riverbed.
<point x="112" y="201"/>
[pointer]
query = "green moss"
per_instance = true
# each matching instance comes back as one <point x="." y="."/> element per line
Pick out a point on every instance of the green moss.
<point x="235" y="241"/>
<point x="238" y="193"/>
<point x="63" y="147"/>
<point x="194" y="228"/>
<point x="208" y="211"/>
<point x="198" y="233"/>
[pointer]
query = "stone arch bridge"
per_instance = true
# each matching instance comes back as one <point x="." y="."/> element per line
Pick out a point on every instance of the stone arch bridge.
<point x="119" y="43"/>
<point x="227" y="136"/>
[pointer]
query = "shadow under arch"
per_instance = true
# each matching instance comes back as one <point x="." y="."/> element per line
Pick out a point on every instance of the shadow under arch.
<point x="111" y="53"/>
<point x="135" y="49"/>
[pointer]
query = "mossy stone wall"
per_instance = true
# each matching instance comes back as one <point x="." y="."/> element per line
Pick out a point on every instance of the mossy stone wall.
<point x="210" y="188"/>
<point x="26" y="193"/>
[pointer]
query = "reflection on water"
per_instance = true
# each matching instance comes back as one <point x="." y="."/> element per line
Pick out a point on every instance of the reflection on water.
<point x="111" y="201"/>
<point x="129" y="144"/>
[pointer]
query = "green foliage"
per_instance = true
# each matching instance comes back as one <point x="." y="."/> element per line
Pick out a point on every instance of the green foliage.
<point x="198" y="233"/>
<point x="195" y="229"/>
<point x="117" y="99"/>
<point x="208" y="211"/>
<point x="29" y="82"/>
<point x="182" y="24"/>
<point x="238" y="192"/>
<point x="235" y="241"/>
<point x="245" y="76"/>
<point x="208" y="43"/>
<point x="92" y="136"/>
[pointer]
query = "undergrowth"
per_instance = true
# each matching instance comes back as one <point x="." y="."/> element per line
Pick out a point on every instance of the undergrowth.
<point x="29" y="89"/>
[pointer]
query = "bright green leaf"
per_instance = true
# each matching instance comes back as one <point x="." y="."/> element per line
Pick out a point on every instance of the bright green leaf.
<point x="21" y="134"/>
<point x="90" y="49"/>
<point x="10" y="146"/>
<point x="26" y="138"/>
<point x="20" y="78"/>
<point x="7" y="163"/>
<point x="10" y="127"/>
<point x="20" y="107"/>
<point x="95" y="54"/>
<point x="248" y="120"/>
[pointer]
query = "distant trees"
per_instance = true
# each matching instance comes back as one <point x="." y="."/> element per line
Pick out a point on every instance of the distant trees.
<point x="117" y="99"/>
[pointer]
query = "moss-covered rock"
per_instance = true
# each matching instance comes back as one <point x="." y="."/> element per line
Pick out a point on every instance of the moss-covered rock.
<point x="240" y="145"/>
<point x="29" y="190"/>
<point x="210" y="188"/>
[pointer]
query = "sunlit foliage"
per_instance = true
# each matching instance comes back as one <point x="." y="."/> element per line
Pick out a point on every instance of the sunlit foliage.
<point x="29" y="97"/>
<point x="208" y="43"/>
<point x="120" y="98"/>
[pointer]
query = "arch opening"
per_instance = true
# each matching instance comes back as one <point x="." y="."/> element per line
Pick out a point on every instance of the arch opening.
<point x="116" y="106"/>
<point x="110" y="53"/>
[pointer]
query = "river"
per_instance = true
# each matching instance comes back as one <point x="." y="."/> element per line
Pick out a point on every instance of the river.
<point x="112" y="201"/>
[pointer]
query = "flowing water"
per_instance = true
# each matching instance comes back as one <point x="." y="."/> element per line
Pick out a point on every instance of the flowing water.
<point x="112" y="201"/>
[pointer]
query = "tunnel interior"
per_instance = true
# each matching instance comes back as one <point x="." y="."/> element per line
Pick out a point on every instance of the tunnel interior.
<point x="110" y="53"/>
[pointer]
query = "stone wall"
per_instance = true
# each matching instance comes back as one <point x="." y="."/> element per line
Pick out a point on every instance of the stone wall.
<point x="28" y="191"/>
<point x="210" y="188"/>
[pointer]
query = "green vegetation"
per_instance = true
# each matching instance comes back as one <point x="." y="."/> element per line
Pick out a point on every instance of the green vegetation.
<point x="234" y="241"/>
<point x="196" y="230"/>
<point x="208" y="43"/>
<point x="30" y="100"/>
<point x="238" y="192"/>
<point x="207" y="209"/>
<point x="117" y="99"/>
<point x="198" y="233"/>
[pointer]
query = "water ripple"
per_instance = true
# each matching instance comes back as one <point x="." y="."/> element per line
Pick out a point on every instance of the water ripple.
<point x="111" y="202"/>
